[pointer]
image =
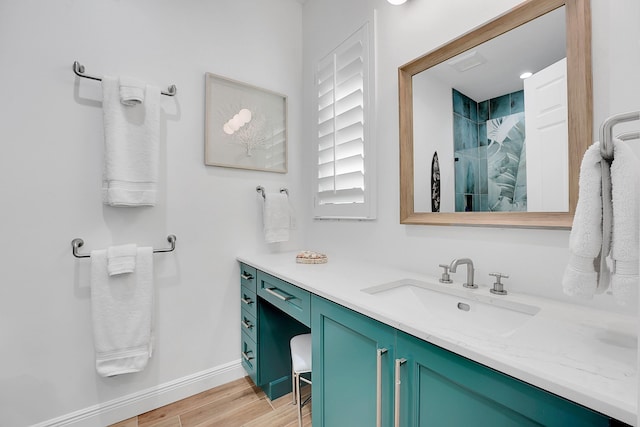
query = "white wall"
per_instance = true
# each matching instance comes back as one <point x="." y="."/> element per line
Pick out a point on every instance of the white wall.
<point x="534" y="259"/>
<point x="50" y="175"/>
<point x="433" y="131"/>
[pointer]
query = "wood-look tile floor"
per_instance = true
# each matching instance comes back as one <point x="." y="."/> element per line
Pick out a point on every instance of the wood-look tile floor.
<point x="238" y="403"/>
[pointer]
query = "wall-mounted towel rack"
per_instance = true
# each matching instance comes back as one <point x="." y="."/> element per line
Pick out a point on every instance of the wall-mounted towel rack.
<point x="79" y="70"/>
<point x="260" y="189"/>
<point x="77" y="244"/>
<point x="606" y="131"/>
<point x="606" y="151"/>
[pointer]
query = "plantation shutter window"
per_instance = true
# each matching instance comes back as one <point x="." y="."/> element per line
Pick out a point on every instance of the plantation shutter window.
<point x="342" y="79"/>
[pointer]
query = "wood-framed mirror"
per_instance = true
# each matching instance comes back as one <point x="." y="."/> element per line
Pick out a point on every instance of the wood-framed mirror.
<point x="578" y="125"/>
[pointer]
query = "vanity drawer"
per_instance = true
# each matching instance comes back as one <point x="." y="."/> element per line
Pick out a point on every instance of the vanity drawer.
<point x="248" y="277"/>
<point x="249" y="324"/>
<point x="249" y="301"/>
<point x="292" y="300"/>
<point x="249" y="357"/>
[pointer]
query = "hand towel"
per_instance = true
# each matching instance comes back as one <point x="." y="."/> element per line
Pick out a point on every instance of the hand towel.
<point x="121" y="259"/>
<point x="276" y="217"/>
<point x="580" y="276"/>
<point x="131" y="136"/>
<point x="626" y="216"/>
<point x="121" y="309"/>
<point x="131" y="91"/>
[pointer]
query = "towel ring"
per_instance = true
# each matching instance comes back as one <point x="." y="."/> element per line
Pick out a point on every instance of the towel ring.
<point x="77" y="243"/>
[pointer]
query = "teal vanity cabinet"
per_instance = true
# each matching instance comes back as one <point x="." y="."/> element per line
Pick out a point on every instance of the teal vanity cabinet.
<point x="415" y="383"/>
<point x="439" y="388"/>
<point x="352" y="367"/>
<point x="272" y="312"/>
<point x="248" y="321"/>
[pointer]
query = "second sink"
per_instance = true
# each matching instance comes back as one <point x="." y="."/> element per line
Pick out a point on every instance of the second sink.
<point x="455" y="308"/>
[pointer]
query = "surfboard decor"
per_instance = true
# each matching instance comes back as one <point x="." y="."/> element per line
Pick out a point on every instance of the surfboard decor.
<point x="435" y="183"/>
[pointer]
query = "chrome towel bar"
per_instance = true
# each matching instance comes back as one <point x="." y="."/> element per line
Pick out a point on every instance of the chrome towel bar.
<point x="606" y="131"/>
<point x="78" y="68"/>
<point x="78" y="243"/>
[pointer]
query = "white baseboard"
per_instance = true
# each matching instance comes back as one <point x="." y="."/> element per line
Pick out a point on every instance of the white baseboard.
<point x="125" y="407"/>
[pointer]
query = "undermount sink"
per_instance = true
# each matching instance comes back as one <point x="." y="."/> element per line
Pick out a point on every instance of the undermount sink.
<point x="455" y="308"/>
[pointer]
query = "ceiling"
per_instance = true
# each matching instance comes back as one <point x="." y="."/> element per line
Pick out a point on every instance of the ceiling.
<point x="530" y="47"/>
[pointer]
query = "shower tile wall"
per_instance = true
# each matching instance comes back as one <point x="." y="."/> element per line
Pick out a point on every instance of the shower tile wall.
<point x="470" y="145"/>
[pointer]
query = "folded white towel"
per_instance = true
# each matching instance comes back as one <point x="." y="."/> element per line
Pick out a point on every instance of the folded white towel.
<point x="121" y="309"/>
<point x="626" y="216"/>
<point x="121" y="259"/>
<point x="131" y="135"/>
<point x="276" y="217"/>
<point x="131" y="91"/>
<point x="580" y="276"/>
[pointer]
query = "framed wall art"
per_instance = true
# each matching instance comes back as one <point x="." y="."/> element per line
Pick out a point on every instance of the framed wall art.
<point x="245" y="126"/>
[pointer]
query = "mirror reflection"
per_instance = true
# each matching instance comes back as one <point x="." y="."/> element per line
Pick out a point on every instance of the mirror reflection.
<point x="486" y="136"/>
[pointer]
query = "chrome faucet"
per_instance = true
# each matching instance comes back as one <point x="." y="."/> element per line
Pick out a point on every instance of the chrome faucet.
<point x="454" y="265"/>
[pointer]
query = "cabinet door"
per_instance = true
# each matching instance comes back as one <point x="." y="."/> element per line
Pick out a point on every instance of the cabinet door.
<point x="440" y="388"/>
<point x="347" y="351"/>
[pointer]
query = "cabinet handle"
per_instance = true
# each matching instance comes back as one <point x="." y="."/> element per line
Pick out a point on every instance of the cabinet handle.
<point x="380" y="352"/>
<point x="246" y="355"/>
<point x="247" y="324"/>
<point x="246" y="276"/>
<point x="247" y="300"/>
<point x="396" y="409"/>
<point x="273" y="292"/>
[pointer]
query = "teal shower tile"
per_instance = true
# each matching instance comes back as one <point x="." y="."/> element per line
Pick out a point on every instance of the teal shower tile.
<point x="471" y="134"/>
<point x="477" y="204"/>
<point x="465" y="133"/>
<point x="472" y="175"/>
<point x="458" y="132"/>
<point x="484" y="203"/>
<point x="464" y="105"/>
<point x="458" y="103"/>
<point x="517" y="102"/>
<point x="483" y="111"/>
<point x="460" y="172"/>
<point x="483" y="187"/>
<point x="482" y="134"/>
<point x="460" y="204"/>
<point x="500" y="106"/>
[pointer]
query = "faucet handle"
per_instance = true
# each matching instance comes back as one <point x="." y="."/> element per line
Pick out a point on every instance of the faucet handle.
<point x="445" y="274"/>
<point x="498" y="286"/>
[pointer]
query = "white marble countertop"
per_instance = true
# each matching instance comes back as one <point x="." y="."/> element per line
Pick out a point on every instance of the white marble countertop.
<point x="584" y="355"/>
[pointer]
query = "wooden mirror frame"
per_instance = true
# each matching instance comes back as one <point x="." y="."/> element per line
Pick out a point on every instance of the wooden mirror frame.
<point x="580" y="112"/>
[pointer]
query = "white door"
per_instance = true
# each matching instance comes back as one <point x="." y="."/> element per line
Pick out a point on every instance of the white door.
<point x="545" y="108"/>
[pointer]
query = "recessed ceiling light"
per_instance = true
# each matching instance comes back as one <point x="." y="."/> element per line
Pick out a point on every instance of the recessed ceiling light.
<point x="526" y="75"/>
<point x="396" y="2"/>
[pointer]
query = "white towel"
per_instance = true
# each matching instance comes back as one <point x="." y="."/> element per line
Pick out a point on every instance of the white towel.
<point x="121" y="308"/>
<point x="276" y="217"/>
<point x="121" y="259"/>
<point x="131" y="135"/>
<point x="626" y="217"/>
<point x="580" y="276"/>
<point x="131" y="91"/>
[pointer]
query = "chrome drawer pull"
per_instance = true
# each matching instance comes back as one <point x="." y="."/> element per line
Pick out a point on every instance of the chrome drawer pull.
<point x="246" y="356"/>
<point x="247" y="324"/>
<point x="273" y="292"/>
<point x="247" y="300"/>
<point x="380" y="352"/>
<point x="246" y="276"/>
<point x="396" y="421"/>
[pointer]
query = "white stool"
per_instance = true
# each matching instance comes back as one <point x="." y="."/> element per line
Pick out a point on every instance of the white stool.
<point x="300" y="364"/>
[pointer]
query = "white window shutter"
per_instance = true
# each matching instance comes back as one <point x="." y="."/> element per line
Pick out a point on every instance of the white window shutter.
<point x="344" y="146"/>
